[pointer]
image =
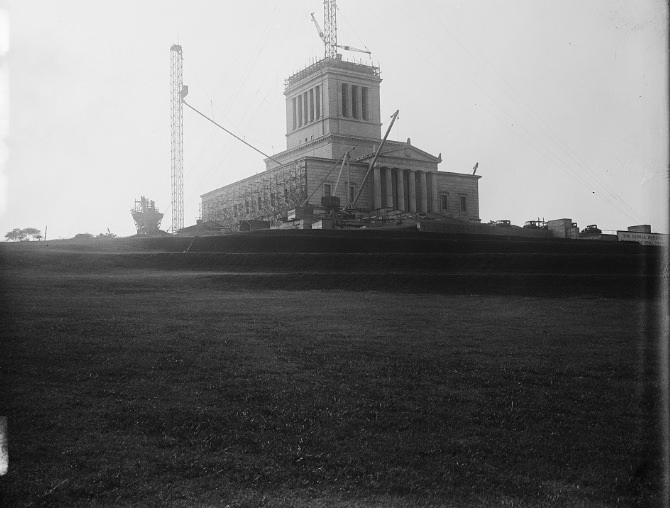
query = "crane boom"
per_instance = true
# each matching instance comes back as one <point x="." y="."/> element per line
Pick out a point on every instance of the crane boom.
<point x="374" y="159"/>
<point x="330" y="30"/>
<point x="350" y="48"/>
<point x="329" y="34"/>
<point x="318" y="28"/>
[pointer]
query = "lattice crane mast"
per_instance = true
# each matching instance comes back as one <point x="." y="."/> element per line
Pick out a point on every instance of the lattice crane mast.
<point x="329" y="35"/>
<point x="178" y="92"/>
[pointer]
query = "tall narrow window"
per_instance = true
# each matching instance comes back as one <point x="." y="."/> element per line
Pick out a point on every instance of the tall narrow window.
<point x="354" y="101"/>
<point x="444" y="204"/>
<point x="364" y="102"/>
<point x="463" y="204"/>
<point x="305" y="99"/>
<point x="299" y="110"/>
<point x="317" y="99"/>
<point x="327" y="189"/>
<point x="352" y="192"/>
<point x="311" y="105"/>
<point x="295" y="118"/>
<point x="345" y="96"/>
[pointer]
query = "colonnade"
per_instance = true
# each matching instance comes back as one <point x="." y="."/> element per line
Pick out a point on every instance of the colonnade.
<point x="405" y="189"/>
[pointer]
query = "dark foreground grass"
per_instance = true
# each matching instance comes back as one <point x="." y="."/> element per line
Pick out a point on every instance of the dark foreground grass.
<point x="164" y="388"/>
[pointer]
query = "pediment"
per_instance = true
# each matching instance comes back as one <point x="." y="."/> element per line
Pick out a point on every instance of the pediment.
<point x="394" y="153"/>
<point x="413" y="152"/>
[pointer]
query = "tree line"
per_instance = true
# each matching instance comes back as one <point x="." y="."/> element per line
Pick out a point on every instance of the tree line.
<point x="28" y="234"/>
<point x="21" y="235"/>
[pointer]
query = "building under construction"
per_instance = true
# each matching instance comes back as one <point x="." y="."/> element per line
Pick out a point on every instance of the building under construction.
<point x="337" y="161"/>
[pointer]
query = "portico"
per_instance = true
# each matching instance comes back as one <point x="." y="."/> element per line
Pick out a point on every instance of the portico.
<point x="407" y="190"/>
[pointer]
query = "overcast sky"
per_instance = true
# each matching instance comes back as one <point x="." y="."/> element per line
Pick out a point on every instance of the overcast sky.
<point x="563" y="103"/>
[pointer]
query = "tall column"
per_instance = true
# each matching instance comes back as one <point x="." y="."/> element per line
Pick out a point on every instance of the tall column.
<point x="400" y="185"/>
<point x="424" y="192"/>
<point x="388" y="175"/>
<point x="411" y="184"/>
<point x="433" y="191"/>
<point x="377" y="183"/>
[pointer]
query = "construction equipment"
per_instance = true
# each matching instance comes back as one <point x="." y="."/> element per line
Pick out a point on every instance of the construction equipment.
<point x="536" y="224"/>
<point x="504" y="223"/>
<point x="146" y="216"/>
<point x="329" y="36"/>
<point x="374" y="159"/>
<point x="179" y="91"/>
<point x="591" y="230"/>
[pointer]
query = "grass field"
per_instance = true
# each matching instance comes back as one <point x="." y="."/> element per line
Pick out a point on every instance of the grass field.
<point x="127" y="381"/>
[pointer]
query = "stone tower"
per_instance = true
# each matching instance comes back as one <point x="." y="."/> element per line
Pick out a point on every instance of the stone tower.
<point x="333" y="98"/>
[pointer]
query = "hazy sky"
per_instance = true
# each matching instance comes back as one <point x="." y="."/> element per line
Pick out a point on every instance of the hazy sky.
<point x="563" y="103"/>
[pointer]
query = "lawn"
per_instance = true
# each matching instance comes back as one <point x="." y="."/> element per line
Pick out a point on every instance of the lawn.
<point x="157" y="387"/>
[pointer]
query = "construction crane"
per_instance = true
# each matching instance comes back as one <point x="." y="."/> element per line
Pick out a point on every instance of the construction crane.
<point x="374" y="159"/>
<point x="329" y="35"/>
<point x="178" y="92"/>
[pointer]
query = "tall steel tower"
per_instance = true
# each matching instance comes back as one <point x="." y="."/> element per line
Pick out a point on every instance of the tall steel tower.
<point x="179" y="91"/>
<point x="330" y="27"/>
<point x="329" y="35"/>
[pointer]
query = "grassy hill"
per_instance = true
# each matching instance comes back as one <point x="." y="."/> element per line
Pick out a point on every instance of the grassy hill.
<point x="346" y="369"/>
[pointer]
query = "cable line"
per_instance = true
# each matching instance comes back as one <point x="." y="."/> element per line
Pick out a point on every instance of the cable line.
<point x="530" y="113"/>
<point x="233" y="135"/>
<point x="587" y="179"/>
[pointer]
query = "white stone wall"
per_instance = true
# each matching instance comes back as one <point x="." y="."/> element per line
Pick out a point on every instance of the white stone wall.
<point x="456" y="186"/>
<point x="324" y="80"/>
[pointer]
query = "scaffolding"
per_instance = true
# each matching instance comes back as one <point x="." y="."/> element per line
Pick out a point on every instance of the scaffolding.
<point x="267" y="196"/>
<point x="336" y="64"/>
<point x="147" y="217"/>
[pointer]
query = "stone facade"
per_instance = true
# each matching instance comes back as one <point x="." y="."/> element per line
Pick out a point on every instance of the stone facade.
<point x="332" y="96"/>
<point x="333" y="109"/>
